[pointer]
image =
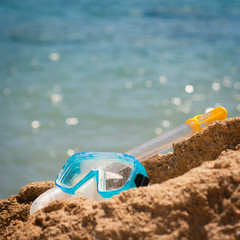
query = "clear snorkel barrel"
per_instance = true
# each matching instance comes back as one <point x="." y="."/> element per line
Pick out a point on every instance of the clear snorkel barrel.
<point x="164" y="142"/>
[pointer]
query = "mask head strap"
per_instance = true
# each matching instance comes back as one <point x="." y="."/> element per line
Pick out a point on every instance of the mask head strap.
<point x="141" y="180"/>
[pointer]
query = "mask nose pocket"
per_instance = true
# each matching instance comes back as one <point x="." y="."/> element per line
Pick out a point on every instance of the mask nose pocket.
<point x="89" y="188"/>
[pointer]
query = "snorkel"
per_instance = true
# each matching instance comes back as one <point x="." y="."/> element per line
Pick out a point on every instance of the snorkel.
<point x="98" y="175"/>
<point x="165" y="141"/>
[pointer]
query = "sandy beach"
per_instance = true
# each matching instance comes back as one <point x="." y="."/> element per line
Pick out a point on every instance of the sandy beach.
<point x="194" y="194"/>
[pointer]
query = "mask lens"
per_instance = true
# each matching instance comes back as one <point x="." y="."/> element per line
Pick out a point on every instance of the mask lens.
<point x="69" y="179"/>
<point x="116" y="175"/>
<point x="77" y="171"/>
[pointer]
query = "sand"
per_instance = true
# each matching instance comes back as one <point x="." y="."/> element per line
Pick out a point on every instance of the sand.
<point x="194" y="194"/>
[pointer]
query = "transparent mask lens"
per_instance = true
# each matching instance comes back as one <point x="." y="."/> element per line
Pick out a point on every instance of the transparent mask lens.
<point x="114" y="176"/>
<point x="69" y="179"/>
<point x="77" y="172"/>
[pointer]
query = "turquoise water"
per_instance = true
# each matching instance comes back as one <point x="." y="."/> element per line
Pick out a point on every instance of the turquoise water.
<point x="107" y="76"/>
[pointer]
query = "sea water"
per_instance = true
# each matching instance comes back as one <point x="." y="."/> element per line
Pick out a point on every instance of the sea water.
<point x="107" y="76"/>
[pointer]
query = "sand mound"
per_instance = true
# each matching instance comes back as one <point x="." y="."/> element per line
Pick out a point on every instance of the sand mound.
<point x="200" y="201"/>
<point x="17" y="207"/>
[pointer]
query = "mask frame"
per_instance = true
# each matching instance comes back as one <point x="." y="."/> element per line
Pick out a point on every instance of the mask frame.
<point x="137" y="177"/>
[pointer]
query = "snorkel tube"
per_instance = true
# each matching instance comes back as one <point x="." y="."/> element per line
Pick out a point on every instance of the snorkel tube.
<point x="157" y="145"/>
<point x="164" y="142"/>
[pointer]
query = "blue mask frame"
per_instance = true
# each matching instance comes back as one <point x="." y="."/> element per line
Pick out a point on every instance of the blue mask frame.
<point x="137" y="177"/>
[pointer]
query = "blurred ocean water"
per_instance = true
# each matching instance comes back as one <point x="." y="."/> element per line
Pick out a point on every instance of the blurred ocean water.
<point x="107" y="76"/>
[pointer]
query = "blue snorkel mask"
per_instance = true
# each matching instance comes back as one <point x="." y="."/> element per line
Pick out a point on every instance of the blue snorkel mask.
<point x="98" y="175"/>
<point x="95" y="175"/>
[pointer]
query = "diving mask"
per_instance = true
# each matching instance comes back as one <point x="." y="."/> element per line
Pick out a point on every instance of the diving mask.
<point x="95" y="175"/>
<point x="110" y="173"/>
